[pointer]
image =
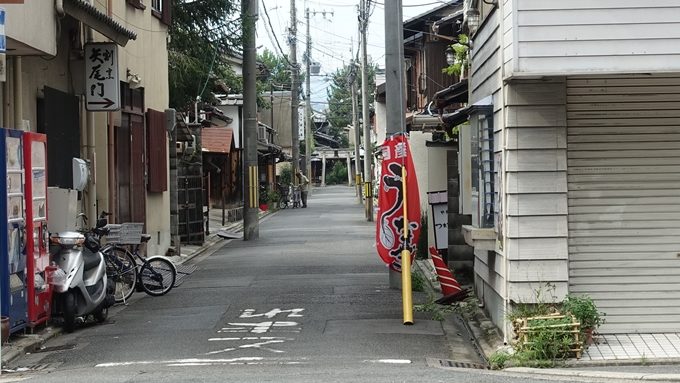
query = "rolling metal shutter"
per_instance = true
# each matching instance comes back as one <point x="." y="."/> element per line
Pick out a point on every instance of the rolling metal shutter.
<point x="624" y="198"/>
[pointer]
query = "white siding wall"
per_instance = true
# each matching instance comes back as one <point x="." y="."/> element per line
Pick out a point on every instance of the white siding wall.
<point x="485" y="81"/>
<point x="555" y="37"/>
<point x="508" y="35"/>
<point x="536" y="195"/>
<point x="624" y="198"/>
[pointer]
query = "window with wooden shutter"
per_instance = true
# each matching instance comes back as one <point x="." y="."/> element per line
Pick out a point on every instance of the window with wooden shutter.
<point x="137" y="4"/>
<point x="162" y="9"/>
<point x="156" y="151"/>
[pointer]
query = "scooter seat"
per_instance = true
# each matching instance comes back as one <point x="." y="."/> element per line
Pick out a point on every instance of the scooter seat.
<point x="91" y="260"/>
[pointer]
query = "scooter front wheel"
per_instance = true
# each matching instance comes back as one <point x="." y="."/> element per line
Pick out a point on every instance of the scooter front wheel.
<point x="101" y="315"/>
<point x="69" y="309"/>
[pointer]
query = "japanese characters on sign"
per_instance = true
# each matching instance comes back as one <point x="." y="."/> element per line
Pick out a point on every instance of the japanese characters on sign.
<point x="390" y="224"/>
<point x="102" y="89"/>
<point x="440" y="217"/>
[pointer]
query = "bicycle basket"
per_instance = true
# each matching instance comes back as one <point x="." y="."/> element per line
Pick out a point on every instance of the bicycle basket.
<point x="125" y="233"/>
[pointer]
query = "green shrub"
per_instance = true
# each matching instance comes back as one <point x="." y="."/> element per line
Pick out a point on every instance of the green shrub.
<point x="437" y="311"/>
<point x="499" y="359"/>
<point x="337" y="175"/>
<point x="286" y="176"/>
<point x="273" y="197"/>
<point x="417" y="281"/>
<point x="585" y="311"/>
<point x="547" y="342"/>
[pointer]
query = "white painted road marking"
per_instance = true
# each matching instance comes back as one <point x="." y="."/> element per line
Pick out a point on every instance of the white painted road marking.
<point x="293" y="313"/>
<point x="262" y="327"/>
<point x="193" y="362"/>
<point x="389" y="361"/>
<point x="259" y="345"/>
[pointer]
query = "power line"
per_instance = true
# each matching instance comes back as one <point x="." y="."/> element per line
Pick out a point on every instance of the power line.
<point x="269" y="21"/>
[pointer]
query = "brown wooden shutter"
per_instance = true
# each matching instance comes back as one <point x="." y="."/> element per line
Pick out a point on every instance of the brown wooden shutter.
<point x="137" y="194"/>
<point x="157" y="153"/>
<point x="166" y="17"/>
<point x="137" y="4"/>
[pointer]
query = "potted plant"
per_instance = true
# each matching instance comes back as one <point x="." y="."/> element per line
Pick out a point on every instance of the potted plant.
<point x="583" y="308"/>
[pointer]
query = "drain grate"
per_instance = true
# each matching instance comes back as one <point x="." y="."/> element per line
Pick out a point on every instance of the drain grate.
<point x="64" y="347"/>
<point x="446" y="363"/>
<point x="183" y="271"/>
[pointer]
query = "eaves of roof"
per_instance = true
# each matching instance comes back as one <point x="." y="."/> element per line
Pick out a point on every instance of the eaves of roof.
<point x="88" y="14"/>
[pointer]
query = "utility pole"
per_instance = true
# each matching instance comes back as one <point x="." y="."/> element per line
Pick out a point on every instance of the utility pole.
<point x="396" y="123"/>
<point x="294" y="95"/>
<point x="352" y="82"/>
<point x="309" y="136"/>
<point x="368" y="150"/>
<point x="251" y="229"/>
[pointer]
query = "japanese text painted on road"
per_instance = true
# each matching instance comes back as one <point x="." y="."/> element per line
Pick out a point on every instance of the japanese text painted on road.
<point x="257" y="341"/>
<point x="102" y="88"/>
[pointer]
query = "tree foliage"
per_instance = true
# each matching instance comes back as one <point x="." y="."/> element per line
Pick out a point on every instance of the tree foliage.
<point x="340" y="96"/>
<point x="203" y="36"/>
<point x="277" y="70"/>
<point x="461" y="59"/>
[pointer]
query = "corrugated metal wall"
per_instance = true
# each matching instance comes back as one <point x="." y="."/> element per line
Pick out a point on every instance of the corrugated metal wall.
<point x="624" y="198"/>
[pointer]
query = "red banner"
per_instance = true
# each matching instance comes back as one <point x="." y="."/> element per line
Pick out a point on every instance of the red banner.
<point x="390" y="225"/>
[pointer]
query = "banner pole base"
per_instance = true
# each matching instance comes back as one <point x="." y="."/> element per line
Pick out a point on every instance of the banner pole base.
<point x="406" y="293"/>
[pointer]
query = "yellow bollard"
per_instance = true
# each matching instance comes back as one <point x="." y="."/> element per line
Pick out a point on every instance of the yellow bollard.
<point x="406" y="296"/>
<point x="406" y="293"/>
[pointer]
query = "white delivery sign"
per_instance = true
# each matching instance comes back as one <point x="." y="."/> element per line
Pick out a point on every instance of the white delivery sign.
<point x="102" y="88"/>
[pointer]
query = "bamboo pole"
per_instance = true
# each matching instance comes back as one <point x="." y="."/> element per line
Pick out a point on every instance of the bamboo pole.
<point x="406" y="293"/>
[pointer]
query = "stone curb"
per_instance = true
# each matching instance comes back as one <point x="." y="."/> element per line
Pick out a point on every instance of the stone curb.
<point x="476" y="329"/>
<point x="214" y="241"/>
<point x="28" y="343"/>
<point x="478" y="341"/>
<point x="596" y="374"/>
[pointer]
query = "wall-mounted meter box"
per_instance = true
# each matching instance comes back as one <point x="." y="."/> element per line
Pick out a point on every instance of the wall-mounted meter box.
<point x="81" y="173"/>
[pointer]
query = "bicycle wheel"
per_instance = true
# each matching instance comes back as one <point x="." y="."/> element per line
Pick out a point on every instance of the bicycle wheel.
<point x="157" y="276"/>
<point x="122" y="270"/>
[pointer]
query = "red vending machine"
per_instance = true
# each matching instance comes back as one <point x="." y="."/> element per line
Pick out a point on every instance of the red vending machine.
<point x="37" y="238"/>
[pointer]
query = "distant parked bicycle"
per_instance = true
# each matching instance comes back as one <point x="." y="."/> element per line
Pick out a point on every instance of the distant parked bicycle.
<point x="127" y="267"/>
<point x="284" y="196"/>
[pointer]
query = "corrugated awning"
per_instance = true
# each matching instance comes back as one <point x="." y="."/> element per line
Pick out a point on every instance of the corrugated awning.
<point x="484" y="106"/>
<point x="216" y="140"/>
<point x="455" y="94"/>
<point x="88" y="14"/>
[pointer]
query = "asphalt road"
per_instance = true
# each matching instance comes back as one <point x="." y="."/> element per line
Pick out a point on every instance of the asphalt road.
<point x="307" y="302"/>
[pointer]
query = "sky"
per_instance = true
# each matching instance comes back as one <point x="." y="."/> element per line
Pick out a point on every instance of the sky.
<point x="334" y="34"/>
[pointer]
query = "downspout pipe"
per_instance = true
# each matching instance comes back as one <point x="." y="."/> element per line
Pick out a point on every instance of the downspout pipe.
<point x="18" y="94"/>
<point x="110" y="142"/>
<point x="59" y="7"/>
<point x="91" y="184"/>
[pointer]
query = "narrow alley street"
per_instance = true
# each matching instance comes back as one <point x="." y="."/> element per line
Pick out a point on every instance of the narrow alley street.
<point x="308" y="301"/>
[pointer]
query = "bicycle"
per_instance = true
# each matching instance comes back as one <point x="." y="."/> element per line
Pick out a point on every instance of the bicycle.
<point x="121" y="270"/>
<point x="155" y="274"/>
<point x="284" y="196"/>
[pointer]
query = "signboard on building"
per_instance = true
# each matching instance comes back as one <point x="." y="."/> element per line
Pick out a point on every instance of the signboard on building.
<point x="102" y="88"/>
<point x="3" y="38"/>
<point x="440" y="218"/>
<point x="301" y="123"/>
